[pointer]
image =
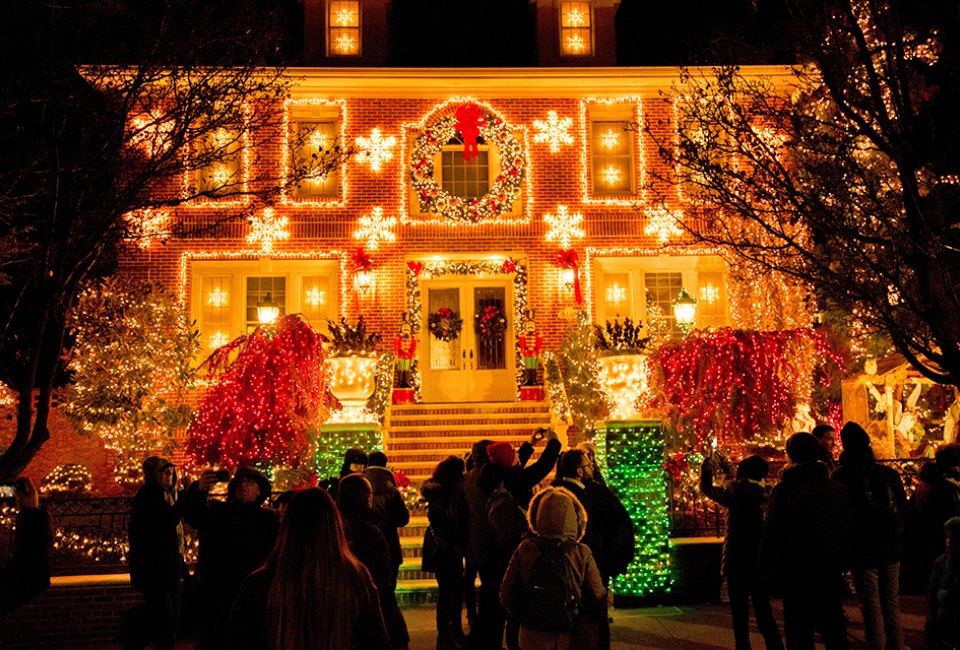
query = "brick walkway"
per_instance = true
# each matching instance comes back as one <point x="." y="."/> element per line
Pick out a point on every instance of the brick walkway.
<point x="701" y="627"/>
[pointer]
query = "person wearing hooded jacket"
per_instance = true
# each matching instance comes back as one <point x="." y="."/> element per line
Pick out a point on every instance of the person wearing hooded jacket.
<point x="555" y="514"/>
<point x="156" y="555"/>
<point x="745" y="499"/>
<point x="236" y="537"/>
<point x="388" y="505"/>
<point x="878" y="501"/>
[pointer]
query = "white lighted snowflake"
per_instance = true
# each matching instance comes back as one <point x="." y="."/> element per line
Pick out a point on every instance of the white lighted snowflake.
<point x="346" y="44"/>
<point x="267" y="229"/>
<point x="376" y="149"/>
<point x="345" y="18"/>
<point x="218" y="339"/>
<point x="576" y="44"/>
<point x="218" y="297"/>
<point x="375" y="229"/>
<point x="611" y="175"/>
<point x="616" y="294"/>
<point x="564" y="226"/>
<point x="576" y="18"/>
<point x="709" y="293"/>
<point x="554" y="130"/>
<point x="316" y="297"/>
<point x="610" y="139"/>
<point x="662" y="223"/>
<point x="147" y="226"/>
<point x="318" y="139"/>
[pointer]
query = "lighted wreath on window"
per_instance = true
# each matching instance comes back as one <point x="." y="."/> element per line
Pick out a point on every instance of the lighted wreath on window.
<point x="495" y="132"/>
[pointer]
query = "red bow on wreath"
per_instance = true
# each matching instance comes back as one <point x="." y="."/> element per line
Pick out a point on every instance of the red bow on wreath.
<point x="415" y="267"/>
<point x="568" y="259"/>
<point x="469" y="122"/>
<point x="362" y="261"/>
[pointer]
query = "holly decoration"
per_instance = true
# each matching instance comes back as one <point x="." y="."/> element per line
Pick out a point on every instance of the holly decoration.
<point x="491" y="323"/>
<point x="267" y="400"/>
<point x="445" y="325"/>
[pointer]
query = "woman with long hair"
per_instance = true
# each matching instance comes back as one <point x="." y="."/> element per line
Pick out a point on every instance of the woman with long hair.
<point x="312" y="594"/>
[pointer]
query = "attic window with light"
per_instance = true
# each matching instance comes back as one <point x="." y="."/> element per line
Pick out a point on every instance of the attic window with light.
<point x="343" y="28"/>
<point x="576" y="29"/>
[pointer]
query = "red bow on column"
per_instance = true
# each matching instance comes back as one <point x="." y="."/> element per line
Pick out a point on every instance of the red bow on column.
<point x="568" y="259"/>
<point x="415" y="267"/>
<point x="362" y="261"/>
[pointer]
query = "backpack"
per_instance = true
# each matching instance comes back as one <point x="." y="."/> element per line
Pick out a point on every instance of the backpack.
<point x="552" y="591"/>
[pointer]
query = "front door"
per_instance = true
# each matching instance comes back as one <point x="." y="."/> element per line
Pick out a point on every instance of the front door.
<point x="472" y="367"/>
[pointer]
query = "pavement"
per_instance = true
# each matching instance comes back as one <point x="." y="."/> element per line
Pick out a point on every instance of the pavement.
<point x="695" y="627"/>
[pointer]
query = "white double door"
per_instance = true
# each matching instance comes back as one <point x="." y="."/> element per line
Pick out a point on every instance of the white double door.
<point x="470" y="368"/>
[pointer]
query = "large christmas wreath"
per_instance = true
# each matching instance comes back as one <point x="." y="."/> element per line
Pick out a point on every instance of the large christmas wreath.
<point x="445" y="325"/>
<point x="491" y="323"/>
<point x="501" y="195"/>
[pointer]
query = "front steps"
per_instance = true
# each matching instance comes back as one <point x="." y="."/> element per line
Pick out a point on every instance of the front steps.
<point x="418" y="436"/>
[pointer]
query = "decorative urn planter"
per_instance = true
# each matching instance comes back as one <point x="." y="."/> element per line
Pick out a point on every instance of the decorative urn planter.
<point x="352" y="380"/>
<point x="623" y="378"/>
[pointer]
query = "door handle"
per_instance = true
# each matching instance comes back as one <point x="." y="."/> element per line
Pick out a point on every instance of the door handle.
<point x="471" y="359"/>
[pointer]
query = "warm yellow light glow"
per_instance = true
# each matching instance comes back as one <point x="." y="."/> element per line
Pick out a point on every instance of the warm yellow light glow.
<point x="316" y="297"/>
<point x="576" y="18"/>
<point x="685" y="310"/>
<point x="554" y="130"/>
<point x="268" y="311"/>
<point x="564" y="226"/>
<point x="567" y="277"/>
<point x="363" y="281"/>
<point x="218" y="339"/>
<point x="267" y="229"/>
<point x="147" y="226"/>
<point x="662" y="224"/>
<point x="376" y="150"/>
<point x="290" y="119"/>
<point x="346" y="44"/>
<point x="616" y="294"/>
<point x="352" y="380"/>
<point x="586" y="141"/>
<point x="610" y="139"/>
<point x="624" y="380"/>
<point x="709" y="293"/>
<point x="611" y="175"/>
<point x="345" y="18"/>
<point x="218" y="297"/>
<point x="318" y="139"/>
<point x="576" y="44"/>
<point x="375" y="229"/>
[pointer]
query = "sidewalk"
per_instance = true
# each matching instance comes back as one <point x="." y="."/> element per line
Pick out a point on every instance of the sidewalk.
<point x="699" y="627"/>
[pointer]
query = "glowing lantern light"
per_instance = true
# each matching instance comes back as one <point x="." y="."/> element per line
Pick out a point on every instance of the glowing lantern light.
<point x="268" y="310"/>
<point x="685" y="310"/>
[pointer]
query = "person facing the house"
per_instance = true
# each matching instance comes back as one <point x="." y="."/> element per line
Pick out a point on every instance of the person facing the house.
<point x="943" y="596"/>
<point x="313" y="593"/>
<point x="806" y="546"/>
<point x="236" y="536"/>
<point x="388" y="506"/>
<point x="552" y="584"/>
<point x="745" y="499"/>
<point x="367" y="542"/>
<point x="156" y="555"/>
<point x="520" y="479"/>
<point x="28" y="573"/>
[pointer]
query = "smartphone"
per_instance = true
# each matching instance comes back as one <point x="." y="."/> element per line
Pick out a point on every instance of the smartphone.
<point x="223" y="476"/>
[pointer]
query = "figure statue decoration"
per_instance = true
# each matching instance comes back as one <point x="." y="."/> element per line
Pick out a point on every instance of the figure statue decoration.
<point x="404" y="349"/>
<point x="531" y="345"/>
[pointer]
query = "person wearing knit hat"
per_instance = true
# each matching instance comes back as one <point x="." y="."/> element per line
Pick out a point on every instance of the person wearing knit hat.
<point x="156" y="554"/>
<point x="878" y="504"/>
<point x="502" y="454"/>
<point x="943" y="613"/>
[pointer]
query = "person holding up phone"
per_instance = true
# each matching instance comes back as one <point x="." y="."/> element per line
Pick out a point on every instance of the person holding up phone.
<point x="28" y="573"/>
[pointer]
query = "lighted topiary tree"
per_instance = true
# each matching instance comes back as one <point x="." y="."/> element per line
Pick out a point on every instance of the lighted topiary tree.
<point x="269" y="398"/>
<point x="131" y="365"/>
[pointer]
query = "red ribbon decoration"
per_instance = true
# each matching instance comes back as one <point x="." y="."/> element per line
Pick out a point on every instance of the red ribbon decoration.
<point x="362" y="261"/>
<point x="509" y="265"/>
<point x="415" y="268"/>
<point x="469" y="122"/>
<point x="568" y="259"/>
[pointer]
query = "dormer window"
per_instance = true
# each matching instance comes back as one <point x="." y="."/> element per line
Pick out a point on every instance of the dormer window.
<point x="576" y="29"/>
<point x="343" y="28"/>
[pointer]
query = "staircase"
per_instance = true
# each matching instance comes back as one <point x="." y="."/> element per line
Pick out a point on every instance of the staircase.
<point x="418" y="436"/>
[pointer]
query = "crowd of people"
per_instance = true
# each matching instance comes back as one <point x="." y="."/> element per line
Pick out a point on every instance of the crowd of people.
<point x="318" y="568"/>
<point x="828" y="519"/>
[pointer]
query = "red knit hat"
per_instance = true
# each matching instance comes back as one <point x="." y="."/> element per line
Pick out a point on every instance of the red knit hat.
<point x="502" y="454"/>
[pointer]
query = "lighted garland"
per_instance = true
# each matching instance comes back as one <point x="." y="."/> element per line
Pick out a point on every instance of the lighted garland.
<point x="505" y="189"/>
<point x="378" y="402"/>
<point x="631" y="455"/>
<point x="435" y="269"/>
<point x="267" y="400"/>
<point x="491" y="324"/>
<point x="445" y="324"/>
<point x="71" y="479"/>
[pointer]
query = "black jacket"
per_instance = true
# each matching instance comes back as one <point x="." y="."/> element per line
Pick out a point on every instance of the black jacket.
<point x="745" y="501"/>
<point x="521" y="480"/>
<point x="390" y="510"/>
<point x="28" y="574"/>
<point x="610" y="531"/>
<point x="155" y="537"/>
<point x="447" y="514"/>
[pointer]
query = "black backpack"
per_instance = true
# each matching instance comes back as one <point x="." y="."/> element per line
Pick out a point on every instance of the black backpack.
<point x="552" y="591"/>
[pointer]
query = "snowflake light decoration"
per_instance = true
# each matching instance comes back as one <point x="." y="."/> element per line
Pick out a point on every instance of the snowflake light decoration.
<point x="345" y="18"/>
<point x="376" y="149"/>
<point x="576" y="44"/>
<point x="316" y="297"/>
<point x="218" y="339"/>
<point x="375" y="229"/>
<point x="147" y="226"/>
<point x="576" y="18"/>
<point x="709" y="293"/>
<point x="564" y="226"/>
<point x="662" y="223"/>
<point x="554" y="130"/>
<point x="611" y="175"/>
<point x="346" y="44"/>
<point x="318" y="139"/>
<point x="610" y="139"/>
<point x="267" y="229"/>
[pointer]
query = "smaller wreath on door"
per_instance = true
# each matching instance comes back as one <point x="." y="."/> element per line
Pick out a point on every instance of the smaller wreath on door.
<point x="491" y="323"/>
<point x="445" y="324"/>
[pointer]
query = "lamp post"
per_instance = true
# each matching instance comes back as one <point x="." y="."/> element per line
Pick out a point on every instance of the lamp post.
<point x="685" y="310"/>
<point x="267" y="310"/>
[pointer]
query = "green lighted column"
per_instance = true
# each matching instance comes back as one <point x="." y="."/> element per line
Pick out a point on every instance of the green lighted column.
<point x="630" y="454"/>
<point x="333" y="440"/>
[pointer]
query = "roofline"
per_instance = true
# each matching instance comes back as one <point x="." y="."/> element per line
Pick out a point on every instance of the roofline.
<point x="443" y="83"/>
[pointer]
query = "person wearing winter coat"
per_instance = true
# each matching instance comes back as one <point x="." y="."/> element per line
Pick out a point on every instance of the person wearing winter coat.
<point x="28" y="573"/>
<point x="444" y="546"/>
<point x="943" y="615"/>
<point x="156" y="555"/>
<point x="877" y="501"/>
<point x="745" y="499"/>
<point x="807" y="545"/>
<point x="236" y="536"/>
<point x="522" y="478"/>
<point x="388" y="505"/>
<point x="935" y="500"/>
<point x="369" y="546"/>
<point x="313" y="593"/>
<point x="555" y="517"/>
